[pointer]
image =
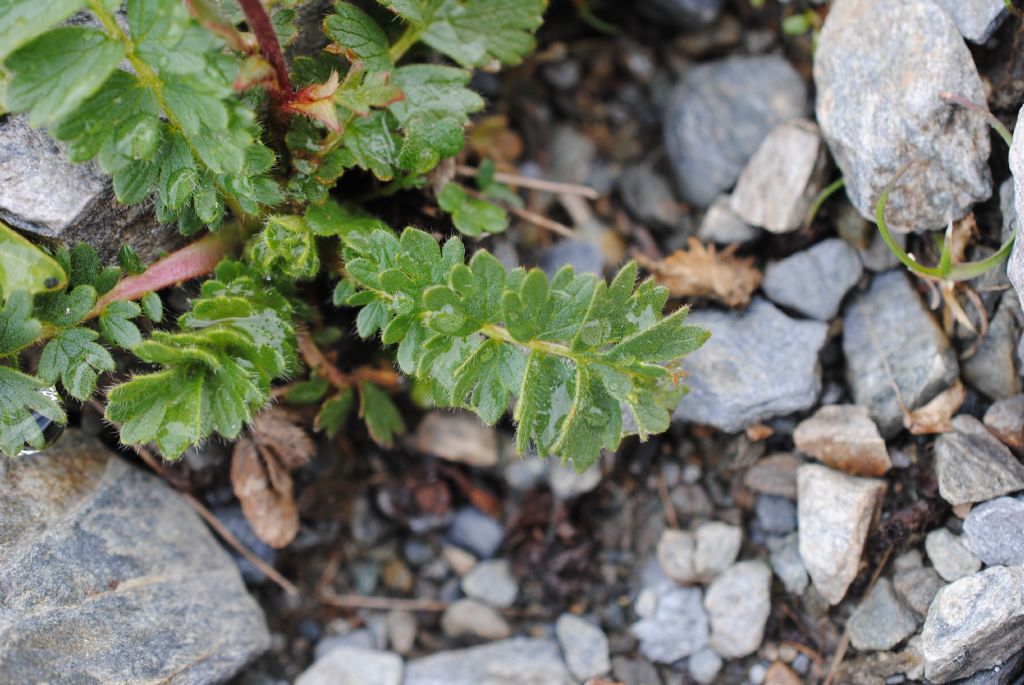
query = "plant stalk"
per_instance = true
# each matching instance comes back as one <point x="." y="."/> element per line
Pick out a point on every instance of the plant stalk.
<point x="259" y="22"/>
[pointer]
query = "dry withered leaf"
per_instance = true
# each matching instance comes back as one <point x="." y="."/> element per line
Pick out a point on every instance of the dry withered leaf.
<point x="702" y="271"/>
<point x="261" y="467"/>
<point x="937" y="415"/>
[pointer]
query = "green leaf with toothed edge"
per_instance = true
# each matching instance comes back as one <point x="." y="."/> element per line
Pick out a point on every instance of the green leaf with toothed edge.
<point x="22" y="400"/>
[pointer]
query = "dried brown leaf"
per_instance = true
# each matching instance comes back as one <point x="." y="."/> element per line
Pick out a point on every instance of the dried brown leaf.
<point x="937" y="415"/>
<point x="702" y="271"/>
<point x="274" y="431"/>
<point x="267" y="501"/>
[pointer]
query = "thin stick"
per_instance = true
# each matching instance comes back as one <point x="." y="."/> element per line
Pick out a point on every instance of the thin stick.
<point x="538" y="220"/>
<point x="342" y="381"/>
<point x="517" y="181"/>
<point x="666" y="501"/>
<point x="382" y="603"/>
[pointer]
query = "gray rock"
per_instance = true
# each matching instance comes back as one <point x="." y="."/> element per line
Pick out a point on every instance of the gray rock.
<point x="844" y="437"/>
<point x="917" y="588"/>
<point x="44" y="195"/>
<point x="518" y="661"/>
<point x="635" y="671"/>
<point x="677" y="628"/>
<point x="354" y="666"/>
<point x="108" y="575"/>
<point x="949" y="555"/>
<point x="460" y="437"/>
<point x="682" y="14"/>
<point x="738" y="604"/>
<point x="1005" y="418"/>
<point x="835" y="512"/>
<point x="704" y="666"/>
<point x="721" y="225"/>
<point x="976" y="19"/>
<point x="973" y="466"/>
<point x="774" y="475"/>
<point x="467" y="618"/>
<point x="677" y="555"/>
<point x="868" y="52"/>
<point x="975" y="623"/>
<point x="992" y="369"/>
<point x="813" y="282"/>
<point x="777" y="186"/>
<point x="648" y="197"/>
<point x="492" y="583"/>
<point x="718" y="544"/>
<point x="719" y="114"/>
<point x="994" y="531"/>
<point x="583" y="257"/>
<point x="880" y="622"/>
<point x="1006" y="673"/>
<point x="402" y="630"/>
<point x="584" y="645"/>
<point x="775" y="515"/>
<point x="1015" y="265"/>
<point x="887" y="330"/>
<point x="475" y="531"/>
<point x="567" y="484"/>
<point x="756" y="365"/>
<point x="787" y="564"/>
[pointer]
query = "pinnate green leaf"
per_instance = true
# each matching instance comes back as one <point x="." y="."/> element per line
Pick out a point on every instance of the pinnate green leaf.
<point x="75" y="358"/>
<point x="380" y="414"/>
<point x="24" y="410"/>
<point x="359" y="36"/>
<point x="117" y="326"/>
<point x="18" y="328"/>
<point x="471" y="216"/>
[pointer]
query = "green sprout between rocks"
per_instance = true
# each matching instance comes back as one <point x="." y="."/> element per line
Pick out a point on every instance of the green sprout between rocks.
<point x="210" y="124"/>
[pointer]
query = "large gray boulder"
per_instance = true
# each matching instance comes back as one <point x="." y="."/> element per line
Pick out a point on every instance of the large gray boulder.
<point x="880" y="68"/>
<point x="108" y="576"/>
<point x="46" y="196"/>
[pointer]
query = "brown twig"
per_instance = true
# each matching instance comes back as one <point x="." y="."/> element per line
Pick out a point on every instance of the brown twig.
<point x="337" y="601"/>
<point x="534" y="218"/>
<point x="517" y="181"/>
<point x="259" y="22"/>
<point x="316" y="360"/>
<point x="666" y="502"/>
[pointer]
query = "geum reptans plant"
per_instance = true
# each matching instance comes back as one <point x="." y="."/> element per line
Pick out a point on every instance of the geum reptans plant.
<point x="209" y="123"/>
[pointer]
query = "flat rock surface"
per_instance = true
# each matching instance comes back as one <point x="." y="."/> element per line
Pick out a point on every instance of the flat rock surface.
<point x="976" y="19"/>
<point x="108" y="576"/>
<point x="879" y="69"/>
<point x="994" y="531"/>
<point x="887" y="330"/>
<point x="354" y="666"/>
<point x="881" y="621"/>
<point x="973" y="466"/>
<point x="756" y="365"/>
<point x="974" y="624"/>
<point x="1005" y="419"/>
<point x="719" y="114"/>
<point x="738" y="603"/>
<point x="844" y="437"/>
<point x="950" y="556"/>
<point x="835" y="512"/>
<point x="676" y="628"/>
<point x="814" y="281"/>
<point x="516" y="661"/>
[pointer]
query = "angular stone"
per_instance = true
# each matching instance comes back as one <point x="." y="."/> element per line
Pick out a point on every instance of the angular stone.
<point x="917" y="588"/>
<point x="1015" y="264"/>
<point x="887" y="330"/>
<point x="844" y="437"/>
<point x="774" y="475"/>
<point x="777" y="186"/>
<point x="677" y="627"/>
<point x="949" y="555"/>
<point x="475" y="531"/>
<point x="718" y="544"/>
<point x="1006" y="673"/>
<point x="975" y="623"/>
<point x="756" y="365"/>
<point x="1005" y="418"/>
<point x="835" y="512"/>
<point x="492" y="582"/>
<point x="787" y="564"/>
<point x="704" y="666"/>
<point x="976" y="19"/>
<point x="44" y="195"/>
<point x="677" y="555"/>
<point x="469" y="618"/>
<point x="775" y="515"/>
<point x="992" y="369"/>
<point x="815" y="281"/>
<point x="719" y="114"/>
<point x="721" y="225"/>
<point x="648" y="197"/>
<point x="100" y="561"/>
<point x="459" y="437"/>
<point x="880" y="622"/>
<point x="994" y="531"/>
<point x="973" y="466"/>
<point x="868" y="52"/>
<point x="354" y="666"/>
<point x="584" y="645"/>
<point x="516" y="661"/>
<point x="738" y="604"/>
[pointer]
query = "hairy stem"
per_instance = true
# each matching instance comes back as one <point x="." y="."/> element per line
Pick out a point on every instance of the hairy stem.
<point x="259" y="22"/>
<point x="192" y="261"/>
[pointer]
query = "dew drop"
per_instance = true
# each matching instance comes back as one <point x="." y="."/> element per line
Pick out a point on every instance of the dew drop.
<point x="51" y="429"/>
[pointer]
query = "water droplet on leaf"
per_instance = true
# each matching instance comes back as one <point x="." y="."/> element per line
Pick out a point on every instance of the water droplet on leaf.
<point x="51" y="430"/>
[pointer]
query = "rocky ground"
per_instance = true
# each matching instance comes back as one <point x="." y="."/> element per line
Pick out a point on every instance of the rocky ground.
<point x="841" y="497"/>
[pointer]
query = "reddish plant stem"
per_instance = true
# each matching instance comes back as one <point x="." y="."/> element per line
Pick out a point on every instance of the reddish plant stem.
<point x="342" y="381"/>
<point x="259" y="22"/>
<point x="192" y="261"/>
